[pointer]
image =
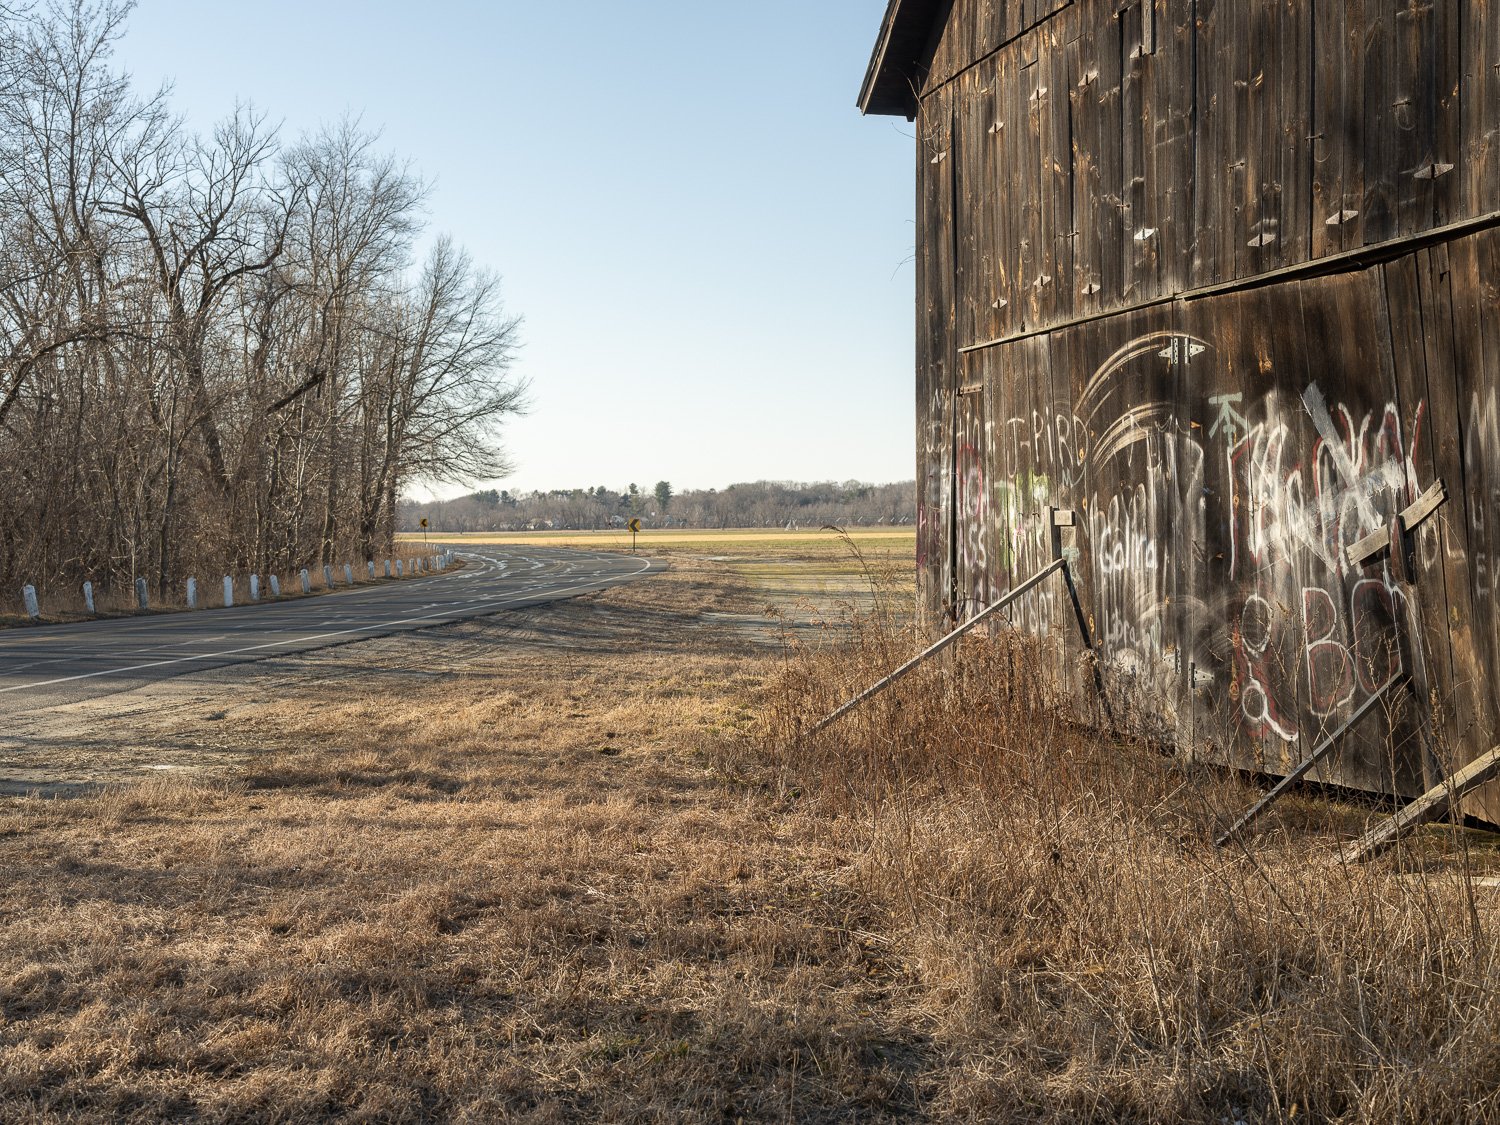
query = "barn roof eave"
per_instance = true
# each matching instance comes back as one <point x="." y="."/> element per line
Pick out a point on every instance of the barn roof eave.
<point x="900" y="57"/>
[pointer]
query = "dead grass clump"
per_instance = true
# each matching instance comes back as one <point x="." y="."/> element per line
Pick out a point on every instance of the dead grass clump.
<point x="1083" y="951"/>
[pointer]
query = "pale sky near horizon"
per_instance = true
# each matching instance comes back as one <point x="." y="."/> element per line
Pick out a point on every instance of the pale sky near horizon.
<point x="711" y="249"/>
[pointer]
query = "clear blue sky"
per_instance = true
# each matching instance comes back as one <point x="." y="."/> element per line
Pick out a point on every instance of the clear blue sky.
<point x="710" y="247"/>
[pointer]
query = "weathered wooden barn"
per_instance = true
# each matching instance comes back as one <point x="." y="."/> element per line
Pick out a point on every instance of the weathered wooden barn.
<point x="1216" y="280"/>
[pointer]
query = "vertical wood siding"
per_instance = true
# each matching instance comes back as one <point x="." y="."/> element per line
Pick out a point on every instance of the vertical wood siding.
<point x="1087" y="169"/>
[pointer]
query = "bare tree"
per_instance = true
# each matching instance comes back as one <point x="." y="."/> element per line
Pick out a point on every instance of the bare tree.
<point x="215" y="351"/>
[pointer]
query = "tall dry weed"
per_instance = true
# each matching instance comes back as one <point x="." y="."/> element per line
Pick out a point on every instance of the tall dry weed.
<point x="1083" y="951"/>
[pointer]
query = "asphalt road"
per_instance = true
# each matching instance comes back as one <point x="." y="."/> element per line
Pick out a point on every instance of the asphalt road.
<point x="45" y="666"/>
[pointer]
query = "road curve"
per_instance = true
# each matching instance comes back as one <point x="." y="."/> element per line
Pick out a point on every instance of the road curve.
<point x="45" y="666"/>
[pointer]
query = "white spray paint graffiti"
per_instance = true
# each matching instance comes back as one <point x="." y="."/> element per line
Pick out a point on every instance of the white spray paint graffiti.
<point x="1285" y="484"/>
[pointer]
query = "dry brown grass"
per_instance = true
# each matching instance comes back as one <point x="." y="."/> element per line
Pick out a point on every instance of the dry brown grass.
<point x="579" y="865"/>
<point x="1081" y="950"/>
<point x="513" y="890"/>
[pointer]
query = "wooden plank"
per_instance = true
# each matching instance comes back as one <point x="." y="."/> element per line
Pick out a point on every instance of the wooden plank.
<point x="1476" y="336"/>
<point x="1110" y="208"/>
<point x="1009" y="306"/>
<point x="1034" y="482"/>
<point x="1482" y="433"/>
<point x="1208" y="161"/>
<point x="1277" y="567"/>
<point x="1234" y="230"/>
<point x="1413" y="122"/>
<point x="1296" y="126"/>
<point x="1058" y="163"/>
<point x="1172" y="142"/>
<point x="1480" y="108"/>
<point x="1141" y="236"/>
<point x="1449" y="201"/>
<point x="993" y="293"/>
<point x="972" y="578"/>
<point x="1213" y="630"/>
<point x="1001" y="382"/>
<point x="1435" y="804"/>
<point x="975" y="170"/>
<point x="1413" y="605"/>
<point x="1466" y="710"/>
<point x="1083" y="94"/>
<point x="936" y="355"/>
<point x="1035" y="251"/>
<point x="1338" y="126"/>
<point x="945" y="237"/>
<point x="1425" y="579"/>
<point x="1260" y="235"/>
<point x="1355" y="615"/>
<point x="1416" y="513"/>
<point x="1379" y="154"/>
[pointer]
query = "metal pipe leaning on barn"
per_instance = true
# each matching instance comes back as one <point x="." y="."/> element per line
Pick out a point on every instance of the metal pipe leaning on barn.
<point x="983" y="615"/>
<point x="1320" y="751"/>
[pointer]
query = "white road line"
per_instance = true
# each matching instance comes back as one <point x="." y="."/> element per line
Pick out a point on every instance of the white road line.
<point x="302" y="640"/>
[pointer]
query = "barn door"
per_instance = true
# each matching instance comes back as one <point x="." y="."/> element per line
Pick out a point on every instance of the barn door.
<point x="971" y="507"/>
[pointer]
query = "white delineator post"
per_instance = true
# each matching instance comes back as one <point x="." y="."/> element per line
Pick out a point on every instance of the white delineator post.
<point x="192" y="593"/>
<point x="371" y="564"/>
<point x="306" y="581"/>
<point x="88" y="597"/>
<point x="255" y="587"/>
<point x="275" y="586"/>
<point x="228" y="591"/>
<point x="387" y="568"/>
<point x="328" y="577"/>
<point x="28" y="595"/>
<point x="348" y="575"/>
<point x="398" y="568"/>
<point x="142" y="595"/>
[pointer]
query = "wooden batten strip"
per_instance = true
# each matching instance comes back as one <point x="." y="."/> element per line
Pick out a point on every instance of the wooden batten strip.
<point x="1432" y="805"/>
<point x="1356" y="259"/>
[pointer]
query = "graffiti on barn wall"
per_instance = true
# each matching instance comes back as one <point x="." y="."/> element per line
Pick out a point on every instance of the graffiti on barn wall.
<point x="1217" y="548"/>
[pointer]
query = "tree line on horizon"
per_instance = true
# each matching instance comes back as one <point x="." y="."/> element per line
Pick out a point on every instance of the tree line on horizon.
<point x="753" y="504"/>
<point x="218" y="351"/>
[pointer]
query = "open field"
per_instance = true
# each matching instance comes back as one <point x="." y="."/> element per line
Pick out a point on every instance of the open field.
<point x="575" y="863"/>
<point x="747" y="541"/>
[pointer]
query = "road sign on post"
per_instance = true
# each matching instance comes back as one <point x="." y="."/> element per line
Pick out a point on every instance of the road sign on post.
<point x="424" y="529"/>
<point x="635" y="526"/>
